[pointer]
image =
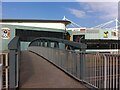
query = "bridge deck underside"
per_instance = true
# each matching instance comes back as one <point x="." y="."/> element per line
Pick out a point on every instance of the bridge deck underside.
<point x="36" y="72"/>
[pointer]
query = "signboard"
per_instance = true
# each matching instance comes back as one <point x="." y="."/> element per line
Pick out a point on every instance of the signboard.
<point x="5" y="33"/>
<point x="106" y="34"/>
<point x="82" y="30"/>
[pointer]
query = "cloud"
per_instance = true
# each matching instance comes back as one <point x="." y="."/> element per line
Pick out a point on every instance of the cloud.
<point x="101" y="10"/>
<point x="96" y="0"/>
<point x="108" y="10"/>
<point x="77" y="13"/>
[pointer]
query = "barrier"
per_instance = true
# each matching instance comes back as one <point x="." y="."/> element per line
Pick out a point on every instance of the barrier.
<point x="99" y="70"/>
<point x="14" y="58"/>
<point x="5" y="69"/>
<point x="102" y="70"/>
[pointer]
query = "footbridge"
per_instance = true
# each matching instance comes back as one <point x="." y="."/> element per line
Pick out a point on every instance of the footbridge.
<point x="42" y="65"/>
<point x="58" y="63"/>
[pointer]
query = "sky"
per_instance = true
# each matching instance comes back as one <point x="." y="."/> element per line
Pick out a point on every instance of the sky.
<point x="85" y="14"/>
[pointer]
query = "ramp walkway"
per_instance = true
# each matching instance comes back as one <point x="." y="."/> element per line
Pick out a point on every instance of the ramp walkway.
<point x="29" y="70"/>
<point x="36" y="72"/>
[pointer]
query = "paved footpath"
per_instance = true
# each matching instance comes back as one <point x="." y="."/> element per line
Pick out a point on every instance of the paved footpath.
<point x="36" y="72"/>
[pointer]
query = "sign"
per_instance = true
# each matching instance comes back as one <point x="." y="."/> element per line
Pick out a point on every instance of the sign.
<point x="5" y="33"/>
<point x="106" y="34"/>
<point x="82" y="30"/>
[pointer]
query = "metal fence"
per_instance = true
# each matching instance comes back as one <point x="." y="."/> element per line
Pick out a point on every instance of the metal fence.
<point x="102" y="70"/>
<point x="96" y="69"/>
<point x="67" y="60"/>
<point x="5" y="69"/>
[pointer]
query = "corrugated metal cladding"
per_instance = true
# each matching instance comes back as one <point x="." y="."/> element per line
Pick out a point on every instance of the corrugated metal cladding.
<point x="28" y="33"/>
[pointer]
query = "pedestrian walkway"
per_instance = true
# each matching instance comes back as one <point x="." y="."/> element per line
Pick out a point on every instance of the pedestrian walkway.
<point x="36" y="72"/>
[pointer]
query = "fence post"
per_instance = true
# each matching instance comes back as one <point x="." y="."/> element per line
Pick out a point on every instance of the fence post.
<point x="40" y="43"/>
<point x="82" y="64"/>
<point x="48" y="44"/>
<point x="105" y="71"/>
<point x="12" y="72"/>
<point x="56" y="45"/>
<point x="43" y="43"/>
<point x="14" y="48"/>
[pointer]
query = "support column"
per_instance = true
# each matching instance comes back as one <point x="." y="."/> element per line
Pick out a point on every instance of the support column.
<point x="12" y="68"/>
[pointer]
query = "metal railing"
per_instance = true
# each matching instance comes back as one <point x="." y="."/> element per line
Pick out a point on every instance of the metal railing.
<point x="62" y="53"/>
<point x="5" y="69"/>
<point x="96" y="69"/>
<point x="102" y="70"/>
<point x="14" y="56"/>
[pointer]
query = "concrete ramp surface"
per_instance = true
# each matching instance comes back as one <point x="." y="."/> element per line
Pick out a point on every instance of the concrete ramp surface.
<point x="36" y="72"/>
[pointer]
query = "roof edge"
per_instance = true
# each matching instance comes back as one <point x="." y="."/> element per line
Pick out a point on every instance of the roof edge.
<point x="35" y="21"/>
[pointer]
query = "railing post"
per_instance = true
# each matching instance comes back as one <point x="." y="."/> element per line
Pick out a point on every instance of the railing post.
<point x="14" y="48"/>
<point x="56" y="45"/>
<point x="82" y="63"/>
<point x="48" y="44"/>
<point x="105" y="72"/>
<point x="40" y="43"/>
<point x="12" y="72"/>
<point x="43" y="43"/>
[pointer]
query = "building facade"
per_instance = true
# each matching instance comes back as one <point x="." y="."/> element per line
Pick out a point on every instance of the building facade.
<point x="28" y="30"/>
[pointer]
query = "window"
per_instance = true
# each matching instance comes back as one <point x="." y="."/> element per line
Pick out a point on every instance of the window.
<point x="114" y="34"/>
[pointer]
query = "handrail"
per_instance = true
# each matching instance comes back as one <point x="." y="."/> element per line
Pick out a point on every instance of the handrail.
<point x="13" y="43"/>
<point x="70" y="43"/>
